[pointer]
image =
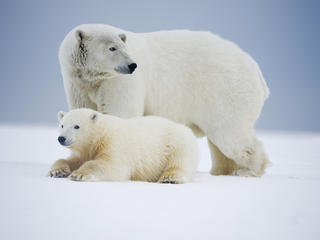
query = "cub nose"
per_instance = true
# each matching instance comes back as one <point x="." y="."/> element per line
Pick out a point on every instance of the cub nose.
<point x="61" y="139"/>
<point x="132" y="67"/>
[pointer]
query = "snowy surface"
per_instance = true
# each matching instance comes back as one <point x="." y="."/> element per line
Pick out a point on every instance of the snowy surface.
<point x="283" y="204"/>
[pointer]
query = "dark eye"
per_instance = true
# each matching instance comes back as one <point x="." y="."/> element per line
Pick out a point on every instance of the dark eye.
<point x="76" y="127"/>
<point x="61" y="126"/>
<point x="112" y="49"/>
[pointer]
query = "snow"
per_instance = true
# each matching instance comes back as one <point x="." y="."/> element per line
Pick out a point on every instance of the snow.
<point x="283" y="204"/>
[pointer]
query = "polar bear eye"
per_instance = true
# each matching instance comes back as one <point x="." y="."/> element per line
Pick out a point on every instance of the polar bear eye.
<point x="112" y="49"/>
<point x="76" y="127"/>
<point x="61" y="126"/>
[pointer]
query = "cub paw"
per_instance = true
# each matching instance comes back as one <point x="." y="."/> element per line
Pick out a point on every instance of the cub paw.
<point x="60" y="172"/>
<point x="169" y="180"/>
<point x="81" y="176"/>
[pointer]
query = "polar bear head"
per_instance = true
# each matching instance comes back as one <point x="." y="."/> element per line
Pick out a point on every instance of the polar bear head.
<point x="76" y="126"/>
<point x="103" y="52"/>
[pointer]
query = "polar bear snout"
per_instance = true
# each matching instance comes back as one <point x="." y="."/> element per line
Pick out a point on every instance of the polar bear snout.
<point x="127" y="69"/>
<point x="61" y="139"/>
<point x="132" y="67"/>
<point x="64" y="141"/>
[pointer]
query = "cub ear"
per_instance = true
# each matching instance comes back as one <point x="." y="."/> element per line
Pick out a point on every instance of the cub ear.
<point x="94" y="117"/>
<point x="61" y="114"/>
<point x="80" y="35"/>
<point x="123" y="37"/>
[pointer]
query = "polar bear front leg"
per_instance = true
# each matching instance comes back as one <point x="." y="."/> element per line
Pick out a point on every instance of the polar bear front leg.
<point x="100" y="170"/>
<point x="77" y="98"/>
<point x="120" y="98"/>
<point x="102" y="101"/>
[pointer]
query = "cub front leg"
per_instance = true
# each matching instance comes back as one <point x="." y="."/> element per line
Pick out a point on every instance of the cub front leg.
<point x="63" y="167"/>
<point x="100" y="170"/>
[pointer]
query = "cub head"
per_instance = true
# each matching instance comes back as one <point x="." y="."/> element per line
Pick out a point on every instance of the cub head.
<point x="75" y="127"/>
<point x="104" y="52"/>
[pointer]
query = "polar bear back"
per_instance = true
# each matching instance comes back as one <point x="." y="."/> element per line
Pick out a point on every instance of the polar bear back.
<point x="193" y="70"/>
<point x="147" y="144"/>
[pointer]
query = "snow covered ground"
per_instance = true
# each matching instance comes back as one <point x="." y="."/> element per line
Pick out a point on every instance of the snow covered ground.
<point x="283" y="204"/>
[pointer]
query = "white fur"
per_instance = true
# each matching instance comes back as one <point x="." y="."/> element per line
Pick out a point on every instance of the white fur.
<point x="108" y="148"/>
<point x="195" y="78"/>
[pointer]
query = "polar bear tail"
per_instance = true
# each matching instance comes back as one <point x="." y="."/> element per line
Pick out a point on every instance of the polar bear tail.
<point x="263" y="83"/>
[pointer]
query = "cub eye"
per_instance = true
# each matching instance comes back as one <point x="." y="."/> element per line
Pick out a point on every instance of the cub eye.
<point x="112" y="49"/>
<point x="61" y="126"/>
<point x="76" y="127"/>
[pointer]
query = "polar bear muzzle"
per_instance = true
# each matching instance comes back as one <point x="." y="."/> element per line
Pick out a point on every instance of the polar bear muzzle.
<point x="64" y="141"/>
<point x="61" y="139"/>
<point x="128" y="69"/>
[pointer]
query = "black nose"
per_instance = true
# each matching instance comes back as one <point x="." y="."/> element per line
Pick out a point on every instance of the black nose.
<point x="61" y="139"/>
<point x="132" y="67"/>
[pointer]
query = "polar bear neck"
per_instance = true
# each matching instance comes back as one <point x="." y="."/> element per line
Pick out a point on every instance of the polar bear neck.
<point x="92" y="76"/>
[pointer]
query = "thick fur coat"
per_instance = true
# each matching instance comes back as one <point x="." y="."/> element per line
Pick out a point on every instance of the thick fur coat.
<point x="194" y="78"/>
<point x="108" y="148"/>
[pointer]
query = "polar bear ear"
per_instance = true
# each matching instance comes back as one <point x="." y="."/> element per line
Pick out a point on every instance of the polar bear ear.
<point x="61" y="114"/>
<point x="123" y="37"/>
<point x="80" y="35"/>
<point x="94" y="117"/>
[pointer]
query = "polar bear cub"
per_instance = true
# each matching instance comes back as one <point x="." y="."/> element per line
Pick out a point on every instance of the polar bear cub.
<point x="108" y="148"/>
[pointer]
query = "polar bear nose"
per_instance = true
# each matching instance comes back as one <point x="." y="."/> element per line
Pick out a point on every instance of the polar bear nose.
<point x="61" y="139"/>
<point x="132" y="67"/>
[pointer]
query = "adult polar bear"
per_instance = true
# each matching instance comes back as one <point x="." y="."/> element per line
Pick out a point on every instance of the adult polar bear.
<point x="195" y="78"/>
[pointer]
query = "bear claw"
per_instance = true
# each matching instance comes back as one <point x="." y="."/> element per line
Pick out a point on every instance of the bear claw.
<point x="244" y="173"/>
<point x="168" y="180"/>
<point x="58" y="173"/>
<point x="81" y="177"/>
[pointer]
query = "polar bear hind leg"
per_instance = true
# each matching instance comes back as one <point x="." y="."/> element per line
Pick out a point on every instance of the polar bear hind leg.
<point x="181" y="164"/>
<point x="237" y="153"/>
<point x="221" y="165"/>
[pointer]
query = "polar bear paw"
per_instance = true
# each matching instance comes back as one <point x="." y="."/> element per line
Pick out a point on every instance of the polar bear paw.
<point x="59" y="172"/>
<point x="244" y="173"/>
<point x="171" y="179"/>
<point x="81" y="176"/>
